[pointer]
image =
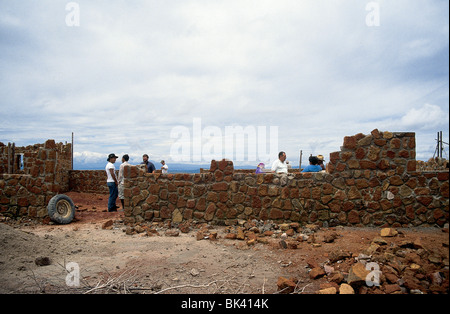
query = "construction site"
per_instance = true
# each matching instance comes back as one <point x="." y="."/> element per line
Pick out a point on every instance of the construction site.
<point x="376" y="222"/>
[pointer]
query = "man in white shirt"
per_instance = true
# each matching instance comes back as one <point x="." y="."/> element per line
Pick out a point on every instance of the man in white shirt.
<point x="164" y="168"/>
<point x="112" y="182"/>
<point x="280" y="165"/>
<point x="125" y="159"/>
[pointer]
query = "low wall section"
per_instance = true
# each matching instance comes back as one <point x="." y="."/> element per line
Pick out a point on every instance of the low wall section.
<point x="88" y="181"/>
<point x="371" y="182"/>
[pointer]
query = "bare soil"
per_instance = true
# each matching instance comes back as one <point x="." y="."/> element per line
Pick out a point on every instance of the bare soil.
<point x="112" y="261"/>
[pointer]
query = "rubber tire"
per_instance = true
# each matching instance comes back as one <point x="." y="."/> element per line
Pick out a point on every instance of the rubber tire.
<point x="61" y="209"/>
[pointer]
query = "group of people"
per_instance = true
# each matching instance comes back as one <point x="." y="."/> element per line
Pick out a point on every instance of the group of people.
<point x="115" y="184"/>
<point x="116" y="187"/>
<point x="281" y="165"/>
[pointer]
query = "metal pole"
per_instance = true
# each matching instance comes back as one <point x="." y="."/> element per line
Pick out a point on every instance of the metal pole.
<point x="441" y="146"/>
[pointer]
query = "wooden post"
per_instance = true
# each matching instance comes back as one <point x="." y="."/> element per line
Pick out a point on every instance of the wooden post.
<point x="13" y="159"/>
<point x="9" y="158"/>
<point x="300" y="163"/>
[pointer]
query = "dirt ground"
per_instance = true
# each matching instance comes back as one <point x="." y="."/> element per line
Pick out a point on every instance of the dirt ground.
<point x="112" y="261"/>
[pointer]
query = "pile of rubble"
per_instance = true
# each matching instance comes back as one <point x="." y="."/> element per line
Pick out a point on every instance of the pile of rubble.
<point x="382" y="268"/>
<point x="287" y="235"/>
<point x="433" y="164"/>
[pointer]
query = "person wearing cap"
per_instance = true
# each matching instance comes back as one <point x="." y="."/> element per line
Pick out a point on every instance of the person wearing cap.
<point x="121" y="187"/>
<point x="112" y="182"/>
<point x="164" y="168"/>
<point x="321" y="160"/>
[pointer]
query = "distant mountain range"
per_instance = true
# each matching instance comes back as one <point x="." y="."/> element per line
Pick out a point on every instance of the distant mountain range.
<point x="173" y="167"/>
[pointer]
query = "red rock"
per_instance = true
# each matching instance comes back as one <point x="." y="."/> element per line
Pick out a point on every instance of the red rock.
<point x="395" y="288"/>
<point x="286" y="285"/>
<point x="316" y="273"/>
<point x="107" y="224"/>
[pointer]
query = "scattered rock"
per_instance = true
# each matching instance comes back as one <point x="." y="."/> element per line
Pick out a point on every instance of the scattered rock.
<point x="172" y="233"/>
<point x="107" y="225"/>
<point x="392" y="289"/>
<point x="388" y="232"/>
<point x="194" y="272"/>
<point x="379" y="241"/>
<point x="240" y="234"/>
<point x="285" y="285"/>
<point x="316" y="273"/>
<point x="346" y="289"/>
<point x="338" y="255"/>
<point x="251" y="242"/>
<point x="200" y="236"/>
<point x="331" y="290"/>
<point x="231" y="236"/>
<point x="336" y="277"/>
<point x="184" y="227"/>
<point x="213" y="235"/>
<point x="43" y="261"/>
<point x="357" y="275"/>
<point x="328" y="269"/>
<point x="139" y="229"/>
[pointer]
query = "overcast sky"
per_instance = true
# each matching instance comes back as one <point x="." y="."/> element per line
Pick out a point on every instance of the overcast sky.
<point x="124" y="76"/>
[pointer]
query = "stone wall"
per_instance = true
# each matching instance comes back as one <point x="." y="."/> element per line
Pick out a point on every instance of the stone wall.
<point x="371" y="182"/>
<point x="45" y="173"/>
<point x="89" y="181"/>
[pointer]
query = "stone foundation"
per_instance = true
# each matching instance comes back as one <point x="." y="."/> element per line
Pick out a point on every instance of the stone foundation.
<point x="371" y="182"/>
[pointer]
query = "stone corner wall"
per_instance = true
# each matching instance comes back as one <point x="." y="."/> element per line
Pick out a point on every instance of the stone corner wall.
<point x="371" y="182"/>
<point x="45" y="173"/>
<point x="384" y="151"/>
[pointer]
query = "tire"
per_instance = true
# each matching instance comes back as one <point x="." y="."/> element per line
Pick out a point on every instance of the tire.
<point x="61" y="209"/>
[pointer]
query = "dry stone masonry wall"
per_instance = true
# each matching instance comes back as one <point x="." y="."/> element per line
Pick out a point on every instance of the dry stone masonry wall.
<point x="371" y="182"/>
<point x="27" y="190"/>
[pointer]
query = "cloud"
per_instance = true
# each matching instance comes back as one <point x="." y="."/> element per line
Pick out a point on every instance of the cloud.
<point x="135" y="70"/>
<point x="426" y="117"/>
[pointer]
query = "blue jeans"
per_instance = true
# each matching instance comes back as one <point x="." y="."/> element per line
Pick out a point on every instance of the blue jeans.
<point x="113" y="193"/>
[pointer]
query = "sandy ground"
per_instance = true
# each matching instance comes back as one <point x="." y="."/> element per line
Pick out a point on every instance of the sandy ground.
<point x="111" y="261"/>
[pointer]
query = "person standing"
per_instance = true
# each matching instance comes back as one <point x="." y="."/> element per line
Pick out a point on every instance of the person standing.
<point x="280" y="165"/>
<point x="164" y="168"/>
<point x="125" y="159"/>
<point x="112" y="182"/>
<point x="150" y="166"/>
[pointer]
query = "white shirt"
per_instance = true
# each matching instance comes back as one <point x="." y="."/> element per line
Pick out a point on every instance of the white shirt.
<point x="165" y="169"/>
<point x="109" y="166"/>
<point x="279" y="166"/>
<point x="121" y="178"/>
